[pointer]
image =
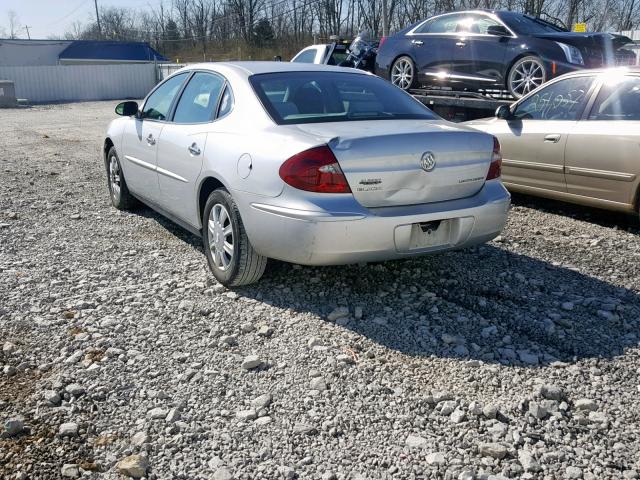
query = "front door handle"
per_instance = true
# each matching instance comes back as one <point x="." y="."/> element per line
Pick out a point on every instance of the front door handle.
<point x="554" y="138"/>
<point x="151" y="140"/>
<point x="194" y="149"/>
<point x="417" y="42"/>
<point x="460" y="44"/>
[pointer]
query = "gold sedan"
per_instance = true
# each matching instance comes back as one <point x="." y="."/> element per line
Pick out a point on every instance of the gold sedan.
<point x="576" y="138"/>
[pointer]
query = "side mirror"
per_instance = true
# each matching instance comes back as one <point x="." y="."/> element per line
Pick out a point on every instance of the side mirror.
<point x="126" y="109"/>
<point x="503" y="112"/>
<point x="277" y="58"/>
<point x="498" y="31"/>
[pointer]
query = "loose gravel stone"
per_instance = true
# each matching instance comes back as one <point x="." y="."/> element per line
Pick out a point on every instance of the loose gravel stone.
<point x="416" y="441"/>
<point x="69" y="429"/>
<point x="134" y="466"/>
<point x="495" y="450"/>
<point x="13" y="427"/>
<point x="70" y="470"/>
<point x="251" y="362"/>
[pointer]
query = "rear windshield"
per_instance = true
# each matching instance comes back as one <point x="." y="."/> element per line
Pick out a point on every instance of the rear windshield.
<point x="316" y="97"/>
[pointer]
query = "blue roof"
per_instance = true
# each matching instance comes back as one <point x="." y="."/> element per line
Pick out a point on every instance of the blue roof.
<point x="109" y="50"/>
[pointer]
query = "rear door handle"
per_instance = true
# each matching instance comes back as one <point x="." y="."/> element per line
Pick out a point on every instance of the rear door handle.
<point x="194" y="149"/>
<point x="460" y="44"/>
<point x="554" y="138"/>
<point x="151" y="140"/>
<point x="417" y="42"/>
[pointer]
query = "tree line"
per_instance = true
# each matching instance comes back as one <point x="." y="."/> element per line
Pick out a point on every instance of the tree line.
<point x="218" y="29"/>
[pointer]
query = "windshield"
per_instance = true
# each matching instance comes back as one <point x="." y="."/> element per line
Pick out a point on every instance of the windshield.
<point x="524" y="24"/>
<point x="316" y="97"/>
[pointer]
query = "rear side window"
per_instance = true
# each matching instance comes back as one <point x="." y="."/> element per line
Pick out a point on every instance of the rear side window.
<point x="159" y="102"/>
<point x="563" y="100"/>
<point x="618" y="100"/>
<point x="315" y="97"/>
<point x="308" y="56"/>
<point x="199" y="100"/>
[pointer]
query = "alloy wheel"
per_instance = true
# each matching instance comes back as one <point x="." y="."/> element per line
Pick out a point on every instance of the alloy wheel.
<point x="526" y="76"/>
<point x="221" y="241"/>
<point x="402" y="73"/>
<point x="114" y="176"/>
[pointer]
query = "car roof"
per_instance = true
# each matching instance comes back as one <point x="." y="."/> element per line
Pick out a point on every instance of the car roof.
<point x="253" y="68"/>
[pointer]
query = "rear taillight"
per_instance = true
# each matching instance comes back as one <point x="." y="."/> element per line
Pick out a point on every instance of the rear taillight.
<point x="315" y="170"/>
<point x="382" y="40"/>
<point x="495" y="169"/>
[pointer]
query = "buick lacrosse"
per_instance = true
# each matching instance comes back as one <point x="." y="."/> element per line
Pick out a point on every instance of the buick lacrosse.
<point x="309" y="164"/>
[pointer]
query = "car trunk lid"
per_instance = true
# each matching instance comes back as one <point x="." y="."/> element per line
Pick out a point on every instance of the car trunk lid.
<point x="388" y="163"/>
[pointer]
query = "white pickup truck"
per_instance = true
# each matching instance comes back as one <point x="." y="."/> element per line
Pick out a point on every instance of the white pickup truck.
<point x="323" y="53"/>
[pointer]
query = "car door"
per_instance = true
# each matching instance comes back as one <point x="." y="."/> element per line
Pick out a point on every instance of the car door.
<point x="602" y="158"/>
<point x="432" y="45"/>
<point x="141" y="136"/>
<point x="478" y="58"/>
<point x="184" y="142"/>
<point x="533" y="141"/>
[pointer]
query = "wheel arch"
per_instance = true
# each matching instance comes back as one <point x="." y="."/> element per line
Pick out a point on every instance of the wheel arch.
<point x="208" y="184"/>
<point x="108" y="144"/>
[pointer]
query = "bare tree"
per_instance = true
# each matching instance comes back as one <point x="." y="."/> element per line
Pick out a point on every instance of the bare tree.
<point x="14" y="24"/>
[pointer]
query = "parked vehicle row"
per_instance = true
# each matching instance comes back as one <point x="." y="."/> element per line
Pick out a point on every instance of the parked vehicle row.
<point x="315" y="165"/>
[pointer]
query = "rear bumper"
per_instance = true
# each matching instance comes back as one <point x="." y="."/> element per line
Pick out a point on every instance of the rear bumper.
<point x="349" y="235"/>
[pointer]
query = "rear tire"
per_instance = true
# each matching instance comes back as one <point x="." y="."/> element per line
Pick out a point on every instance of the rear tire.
<point x="230" y="255"/>
<point x="403" y="73"/>
<point x="119" y="193"/>
<point x="527" y="74"/>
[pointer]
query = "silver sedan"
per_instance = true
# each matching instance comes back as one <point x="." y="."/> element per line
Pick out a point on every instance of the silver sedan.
<point x="309" y="164"/>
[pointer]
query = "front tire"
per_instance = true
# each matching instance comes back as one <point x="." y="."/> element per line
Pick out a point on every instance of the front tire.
<point x="527" y="74"/>
<point x="230" y="255"/>
<point x="403" y="73"/>
<point x="121" y="198"/>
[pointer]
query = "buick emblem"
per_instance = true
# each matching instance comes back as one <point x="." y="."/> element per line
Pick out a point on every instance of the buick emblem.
<point x="428" y="161"/>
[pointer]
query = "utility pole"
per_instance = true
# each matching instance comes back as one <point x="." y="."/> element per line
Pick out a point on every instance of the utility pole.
<point x="385" y="19"/>
<point x="26" y="27"/>
<point x="95" y="2"/>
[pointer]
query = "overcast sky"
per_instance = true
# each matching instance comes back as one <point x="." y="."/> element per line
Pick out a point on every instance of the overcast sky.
<point x="55" y="17"/>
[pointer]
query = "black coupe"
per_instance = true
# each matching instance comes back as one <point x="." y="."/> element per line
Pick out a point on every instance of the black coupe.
<point x="490" y="49"/>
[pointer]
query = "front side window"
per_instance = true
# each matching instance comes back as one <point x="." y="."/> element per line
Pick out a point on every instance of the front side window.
<point x="618" y="99"/>
<point x="308" y="56"/>
<point x="315" y="97"/>
<point x="200" y="98"/>
<point x="464" y="24"/>
<point x="159" y="102"/>
<point x="563" y="100"/>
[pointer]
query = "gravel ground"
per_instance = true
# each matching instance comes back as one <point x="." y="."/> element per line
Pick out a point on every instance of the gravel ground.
<point x="121" y="354"/>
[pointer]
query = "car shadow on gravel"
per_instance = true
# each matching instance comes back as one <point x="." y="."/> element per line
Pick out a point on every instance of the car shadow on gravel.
<point x="484" y="303"/>
<point x="605" y="218"/>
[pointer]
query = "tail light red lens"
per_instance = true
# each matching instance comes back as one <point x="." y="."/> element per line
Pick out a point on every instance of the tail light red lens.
<point x="382" y="40"/>
<point x="495" y="169"/>
<point x="315" y="170"/>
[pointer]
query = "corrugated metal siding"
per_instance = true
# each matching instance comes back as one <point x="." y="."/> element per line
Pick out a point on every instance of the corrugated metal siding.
<point x="64" y="83"/>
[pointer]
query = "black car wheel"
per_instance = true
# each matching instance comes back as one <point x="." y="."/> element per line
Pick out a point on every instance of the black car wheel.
<point x="526" y="75"/>
<point x="230" y="255"/>
<point x="403" y="73"/>
<point x="118" y="190"/>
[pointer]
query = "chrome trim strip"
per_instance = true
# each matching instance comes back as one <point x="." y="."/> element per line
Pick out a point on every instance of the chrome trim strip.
<point x="141" y="163"/>
<point x="169" y="174"/>
<point x="445" y="75"/>
<point x="155" y="168"/>
<point x="307" y="215"/>
<point x="545" y="167"/>
<point x="592" y="172"/>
